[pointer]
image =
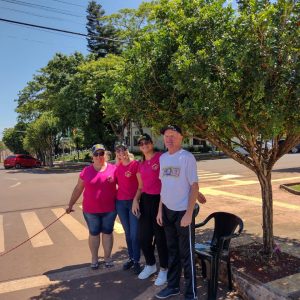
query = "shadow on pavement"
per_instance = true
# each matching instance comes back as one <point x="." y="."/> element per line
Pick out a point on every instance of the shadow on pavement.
<point x="287" y="170"/>
<point x="59" y="169"/>
<point x="109" y="285"/>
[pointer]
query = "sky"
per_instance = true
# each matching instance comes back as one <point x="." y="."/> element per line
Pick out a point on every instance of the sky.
<point x="24" y="50"/>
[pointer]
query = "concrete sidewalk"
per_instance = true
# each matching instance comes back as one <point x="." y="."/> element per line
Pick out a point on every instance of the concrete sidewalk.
<point x="83" y="283"/>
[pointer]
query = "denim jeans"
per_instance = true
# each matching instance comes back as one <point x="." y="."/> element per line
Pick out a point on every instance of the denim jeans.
<point x="130" y="225"/>
<point x="100" y="222"/>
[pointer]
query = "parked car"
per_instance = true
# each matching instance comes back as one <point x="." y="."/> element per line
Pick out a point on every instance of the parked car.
<point x="295" y="149"/>
<point x="20" y="161"/>
<point x="269" y="145"/>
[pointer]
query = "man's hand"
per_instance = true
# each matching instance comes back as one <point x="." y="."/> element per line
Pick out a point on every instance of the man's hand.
<point x="186" y="220"/>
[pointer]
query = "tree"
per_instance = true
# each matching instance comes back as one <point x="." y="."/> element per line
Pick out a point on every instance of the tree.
<point x="44" y="92"/>
<point x="40" y="137"/>
<point x="230" y="76"/>
<point x="131" y="23"/>
<point x="86" y="91"/>
<point x="77" y="138"/>
<point x="13" y="138"/>
<point x="102" y="38"/>
<point x="2" y="146"/>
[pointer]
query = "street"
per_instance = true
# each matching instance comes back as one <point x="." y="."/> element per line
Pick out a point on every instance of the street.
<point x="33" y="198"/>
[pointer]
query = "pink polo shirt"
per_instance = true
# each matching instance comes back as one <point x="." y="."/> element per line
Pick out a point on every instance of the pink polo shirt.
<point x="149" y="170"/>
<point x="127" y="181"/>
<point x="99" y="193"/>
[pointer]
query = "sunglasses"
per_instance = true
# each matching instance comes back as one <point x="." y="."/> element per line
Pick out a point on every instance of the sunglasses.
<point x="100" y="153"/>
<point x="144" y="143"/>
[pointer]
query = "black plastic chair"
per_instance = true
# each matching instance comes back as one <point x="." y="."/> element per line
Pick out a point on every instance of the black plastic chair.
<point x="217" y="249"/>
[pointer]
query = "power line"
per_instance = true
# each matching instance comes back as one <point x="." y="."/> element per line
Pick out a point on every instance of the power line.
<point x="69" y="3"/>
<point x="38" y="6"/>
<point x="40" y="16"/>
<point x="57" y="30"/>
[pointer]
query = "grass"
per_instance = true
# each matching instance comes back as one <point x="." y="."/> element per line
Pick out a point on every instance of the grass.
<point x="295" y="187"/>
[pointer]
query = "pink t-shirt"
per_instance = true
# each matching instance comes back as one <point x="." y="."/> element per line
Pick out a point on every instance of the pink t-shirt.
<point x="149" y="170"/>
<point x="127" y="181"/>
<point x="99" y="193"/>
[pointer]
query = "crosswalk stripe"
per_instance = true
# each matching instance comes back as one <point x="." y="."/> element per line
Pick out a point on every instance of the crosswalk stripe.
<point x="75" y="227"/>
<point x="1" y="235"/>
<point x="118" y="228"/>
<point x="34" y="225"/>
<point x="210" y="176"/>
<point x="206" y="174"/>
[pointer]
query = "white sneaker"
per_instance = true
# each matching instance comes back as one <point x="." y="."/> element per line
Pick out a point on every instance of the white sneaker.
<point x="161" y="277"/>
<point x="148" y="271"/>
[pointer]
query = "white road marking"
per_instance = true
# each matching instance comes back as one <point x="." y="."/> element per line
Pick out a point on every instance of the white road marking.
<point x="53" y="278"/>
<point x="207" y="174"/>
<point x="26" y="283"/>
<point x="33" y="225"/>
<point x="75" y="227"/>
<point x="230" y="176"/>
<point x="1" y="235"/>
<point x="18" y="183"/>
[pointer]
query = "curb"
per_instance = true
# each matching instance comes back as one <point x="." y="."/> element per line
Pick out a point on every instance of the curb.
<point x="250" y="288"/>
<point x="287" y="188"/>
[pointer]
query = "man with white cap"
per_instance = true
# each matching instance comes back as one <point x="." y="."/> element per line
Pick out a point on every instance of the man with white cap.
<point x="178" y="175"/>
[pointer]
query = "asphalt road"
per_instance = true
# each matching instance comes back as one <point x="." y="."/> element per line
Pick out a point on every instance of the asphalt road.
<point x="33" y="198"/>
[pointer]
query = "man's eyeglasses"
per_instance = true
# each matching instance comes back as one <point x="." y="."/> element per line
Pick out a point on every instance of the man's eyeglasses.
<point x="144" y="143"/>
<point x="100" y="153"/>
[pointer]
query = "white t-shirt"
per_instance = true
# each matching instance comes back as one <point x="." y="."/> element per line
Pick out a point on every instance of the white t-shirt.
<point x="178" y="172"/>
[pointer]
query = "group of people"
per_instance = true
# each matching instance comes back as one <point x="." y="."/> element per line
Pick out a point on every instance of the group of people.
<point x="154" y="199"/>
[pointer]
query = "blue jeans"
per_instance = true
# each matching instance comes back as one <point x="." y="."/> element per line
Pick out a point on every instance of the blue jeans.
<point x="100" y="222"/>
<point x="130" y="225"/>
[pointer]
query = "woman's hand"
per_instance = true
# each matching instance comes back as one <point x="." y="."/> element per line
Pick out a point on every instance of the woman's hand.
<point x="69" y="209"/>
<point x="135" y="207"/>
<point x="159" y="218"/>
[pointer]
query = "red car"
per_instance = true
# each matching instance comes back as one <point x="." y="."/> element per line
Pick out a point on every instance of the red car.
<point x="21" y="160"/>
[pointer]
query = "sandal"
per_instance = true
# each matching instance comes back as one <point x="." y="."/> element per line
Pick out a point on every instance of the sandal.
<point x="94" y="266"/>
<point x="109" y="264"/>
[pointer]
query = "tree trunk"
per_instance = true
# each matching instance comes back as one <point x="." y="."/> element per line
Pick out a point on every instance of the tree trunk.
<point x="267" y="211"/>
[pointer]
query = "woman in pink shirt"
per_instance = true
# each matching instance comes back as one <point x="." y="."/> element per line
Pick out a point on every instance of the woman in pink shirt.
<point x="127" y="188"/>
<point x="147" y="206"/>
<point x="98" y="184"/>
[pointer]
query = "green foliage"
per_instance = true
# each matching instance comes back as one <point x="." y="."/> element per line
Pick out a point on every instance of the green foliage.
<point x="2" y="146"/>
<point x="86" y="91"/>
<point x="218" y="72"/>
<point x="131" y="23"/>
<point x="98" y="29"/>
<point x="40" y="136"/>
<point x="13" y="138"/>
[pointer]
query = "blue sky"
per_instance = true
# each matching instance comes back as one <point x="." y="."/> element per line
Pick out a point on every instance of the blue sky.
<point x="24" y="50"/>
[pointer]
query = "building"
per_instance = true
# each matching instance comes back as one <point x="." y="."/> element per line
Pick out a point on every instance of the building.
<point x="189" y="143"/>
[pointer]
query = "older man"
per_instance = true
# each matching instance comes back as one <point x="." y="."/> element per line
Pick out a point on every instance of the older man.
<point x="178" y="175"/>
